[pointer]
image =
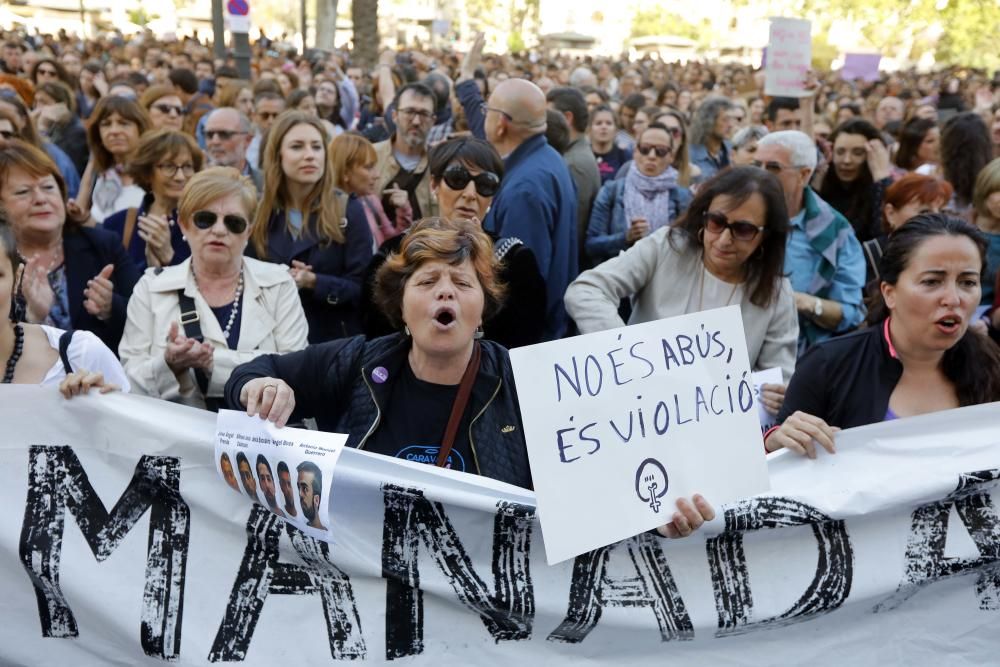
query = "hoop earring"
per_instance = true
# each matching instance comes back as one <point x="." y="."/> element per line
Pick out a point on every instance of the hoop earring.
<point x="479" y="332"/>
<point x="406" y="330"/>
<point x="759" y="254"/>
<point x="701" y="236"/>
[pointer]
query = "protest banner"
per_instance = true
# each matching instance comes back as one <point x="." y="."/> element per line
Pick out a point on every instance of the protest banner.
<point x="121" y="545"/>
<point x="789" y="57"/>
<point x="621" y="423"/>
<point x="862" y="66"/>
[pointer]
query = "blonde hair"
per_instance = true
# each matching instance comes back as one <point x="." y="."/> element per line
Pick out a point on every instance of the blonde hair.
<point x="348" y="152"/>
<point x="322" y="200"/>
<point x="212" y="185"/>
<point x="987" y="183"/>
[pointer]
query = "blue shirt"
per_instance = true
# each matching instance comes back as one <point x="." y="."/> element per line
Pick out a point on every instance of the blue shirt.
<point x="709" y="165"/>
<point x="802" y="262"/>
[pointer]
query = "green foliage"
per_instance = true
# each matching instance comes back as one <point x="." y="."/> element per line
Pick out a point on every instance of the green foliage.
<point x="823" y="53"/>
<point x="140" y="16"/>
<point x="660" y="21"/>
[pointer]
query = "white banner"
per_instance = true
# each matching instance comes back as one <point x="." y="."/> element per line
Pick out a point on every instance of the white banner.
<point x="121" y="545"/>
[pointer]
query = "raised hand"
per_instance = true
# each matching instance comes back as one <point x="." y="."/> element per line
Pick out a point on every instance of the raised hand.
<point x="99" y="294"/>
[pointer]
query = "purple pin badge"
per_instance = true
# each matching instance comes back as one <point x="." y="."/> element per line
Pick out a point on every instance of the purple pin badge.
<point x="380" y="374"/>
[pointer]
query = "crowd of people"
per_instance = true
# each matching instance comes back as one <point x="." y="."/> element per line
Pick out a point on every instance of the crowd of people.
<point x="360" y="246"/>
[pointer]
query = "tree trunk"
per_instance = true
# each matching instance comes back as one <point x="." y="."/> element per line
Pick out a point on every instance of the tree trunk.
<point x="326" y="24"/>
<point x="364" y="14"/>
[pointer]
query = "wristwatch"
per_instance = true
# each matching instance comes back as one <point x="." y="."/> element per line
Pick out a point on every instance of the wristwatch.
<point x="818" y="308"/>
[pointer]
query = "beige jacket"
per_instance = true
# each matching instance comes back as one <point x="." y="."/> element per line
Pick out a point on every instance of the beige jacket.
<point x="387" y="170"/>
<point x="271" y="320"/>
<point x="662" y="278"/>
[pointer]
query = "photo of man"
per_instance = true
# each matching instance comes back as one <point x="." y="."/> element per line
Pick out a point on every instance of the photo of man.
<point x="310" y="492"/>
<point x="285" y="482"/>
<point x="227" y="472"/>
<point x="246" y="474"/>
<point x="267" y="484"/>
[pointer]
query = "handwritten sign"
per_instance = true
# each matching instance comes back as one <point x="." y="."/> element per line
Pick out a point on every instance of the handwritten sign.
<point x="621" y="423"/>
<point x="789" y="56"/>
<point x="286" y="470"/>
<point x="862" y="66"/>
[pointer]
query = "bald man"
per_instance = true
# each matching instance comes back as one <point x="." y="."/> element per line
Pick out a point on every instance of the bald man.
<point x="537" y="199"/>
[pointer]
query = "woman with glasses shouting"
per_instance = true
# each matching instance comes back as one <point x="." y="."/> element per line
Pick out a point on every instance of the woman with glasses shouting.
<point x="727" y="249"/>
<point x="647" y="198"/>
<point x="465" y="176"/>
<point x="191" y="324"/>
<point x="164" y="162"/>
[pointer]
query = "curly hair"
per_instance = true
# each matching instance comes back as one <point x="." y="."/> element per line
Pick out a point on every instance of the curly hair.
<point x="451" y="241"/>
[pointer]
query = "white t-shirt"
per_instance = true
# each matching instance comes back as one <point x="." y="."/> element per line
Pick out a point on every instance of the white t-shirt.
<point x="86" y="352"/>
<point x="111" y="195"/>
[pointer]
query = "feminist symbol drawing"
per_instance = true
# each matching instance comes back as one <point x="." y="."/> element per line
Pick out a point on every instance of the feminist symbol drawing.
<point x="651" y="480"/>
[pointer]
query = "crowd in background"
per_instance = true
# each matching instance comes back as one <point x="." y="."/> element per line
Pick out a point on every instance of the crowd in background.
<point x="192" y="219"/>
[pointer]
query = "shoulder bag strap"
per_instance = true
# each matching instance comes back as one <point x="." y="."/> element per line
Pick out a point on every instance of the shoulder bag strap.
<point x="64" y="340"/>
<point x="458" y="407"/>
<point x="192" y="329"/>
<point x="874" y="252"/>
<point x="130" y="217"/>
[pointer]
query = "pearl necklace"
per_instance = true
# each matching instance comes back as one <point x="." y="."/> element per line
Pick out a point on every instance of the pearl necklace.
<point x="236" y="303"/>
<point x="15" y="354"/>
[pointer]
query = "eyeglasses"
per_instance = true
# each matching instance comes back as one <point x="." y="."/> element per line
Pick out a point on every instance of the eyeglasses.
<point x="741" y="230"/>
<point x="457" y="177"/>
<point x="9" y="134"/>
<point x="503" y="113"/>
<point x="167" y="109"/>
<point x="771" y="166"/>
<point x="48" y="72"/>
<point x="236" y="224"/>
<point x="225" y="135"/>
<point x="171" y="169"/>
<point x="660" y="151"/>
<point x="421" y="115"/>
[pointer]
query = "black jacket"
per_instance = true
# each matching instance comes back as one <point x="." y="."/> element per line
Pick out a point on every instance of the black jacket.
<point x="332" y="307"/>
<point x="88" y="250"/>
<point x="521" y="319"/>
<point x="333" y="383"/>
<point x="846" y="381"/>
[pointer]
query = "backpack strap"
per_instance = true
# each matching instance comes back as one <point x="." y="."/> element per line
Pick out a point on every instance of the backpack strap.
<point x="191" y="322"/>
<point x="130" y="218"/>
<point x="64" y="340"/>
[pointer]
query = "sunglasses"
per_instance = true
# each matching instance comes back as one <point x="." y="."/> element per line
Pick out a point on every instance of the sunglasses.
<point x="457" y="177"/>
<point x="660" y="151"/>
<point x="741" y="230"/>
<point x="225" y="135"/>
<point x="8" y="134"/>
<point x="48" y="72"/>
<point x="168" y="109"/>
<point x="206" y="220"/>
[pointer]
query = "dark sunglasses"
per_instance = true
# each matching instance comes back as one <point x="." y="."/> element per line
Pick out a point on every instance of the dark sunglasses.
<point x="225" y="135"/>
<point x="9" y="134"/>
<point x="206" y="220"/>
<point x="457" y="177"/>
<point x="661" y="151"/>
<point x="168" y="109"/>
<point x="741" y="230"/>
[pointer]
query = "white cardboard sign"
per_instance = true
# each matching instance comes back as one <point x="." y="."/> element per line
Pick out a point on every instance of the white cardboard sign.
<point x="789" y="56"/>
<point x="760" y="378"/>
<point x="621" y="423"/>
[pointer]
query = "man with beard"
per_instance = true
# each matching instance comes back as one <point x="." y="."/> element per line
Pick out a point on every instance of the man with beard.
<point x="310" y="492"/>
<point x="285" y="482"/>
<point x="246" y="474"/>
<point x="402" y="158"/>
<point x="227" y="137"/>
<point x="227" y="471"/>
<point x="267" y="484"/>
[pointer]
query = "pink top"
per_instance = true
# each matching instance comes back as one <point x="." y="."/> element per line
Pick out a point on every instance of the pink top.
<point x="382" y="229"/>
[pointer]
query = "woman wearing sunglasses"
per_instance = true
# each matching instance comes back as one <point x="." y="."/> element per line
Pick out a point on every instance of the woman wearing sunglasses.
<point x="191" y="324"/>
<point x="165" y="108"/>
<point x="304" y="222"/>
<point x="727" y="249"/>
<point x="164" y="161"/>
<point x="647" y="198"/>
<point x="465" y="176"/>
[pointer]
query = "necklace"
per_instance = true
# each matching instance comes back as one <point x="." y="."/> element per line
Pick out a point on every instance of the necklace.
<point x="15" y="354"/>
<point x="227" y="330"/>
<point x="701" y="288"/>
